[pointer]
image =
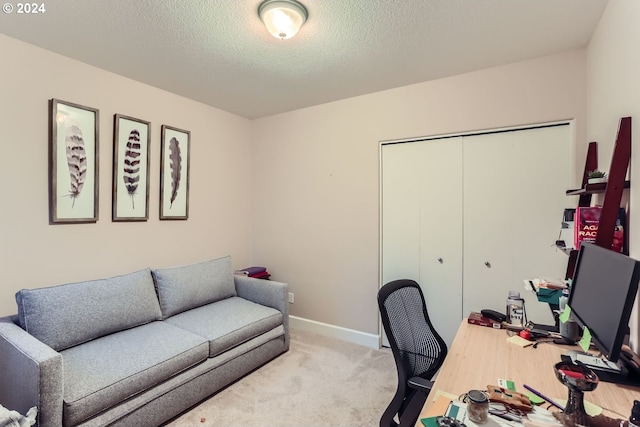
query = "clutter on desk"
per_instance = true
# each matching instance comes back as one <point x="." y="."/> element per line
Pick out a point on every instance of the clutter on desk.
<point x="510" y="398"/>
<point x="476" y="318"/>
<point x="507" y="408"/>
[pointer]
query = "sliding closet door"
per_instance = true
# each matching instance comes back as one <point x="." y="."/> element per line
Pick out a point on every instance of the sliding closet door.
<point x="470" y="218"/>
<point x="514" y="196"/>
<point x="422" y="224"/>
<point x="441" y="232"/>
<point x="488" y="208"/>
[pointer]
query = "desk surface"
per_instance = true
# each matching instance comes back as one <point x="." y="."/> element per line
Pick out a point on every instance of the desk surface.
<point x="480" y="355"/>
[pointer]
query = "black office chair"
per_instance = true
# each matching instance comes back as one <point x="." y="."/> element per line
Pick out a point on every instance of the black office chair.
<point x="417" y="348"/>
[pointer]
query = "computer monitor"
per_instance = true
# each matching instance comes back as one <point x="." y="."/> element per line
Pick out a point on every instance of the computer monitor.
<point x="603" y="291"/>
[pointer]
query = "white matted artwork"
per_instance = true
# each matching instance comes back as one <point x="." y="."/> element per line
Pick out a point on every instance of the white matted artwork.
<point x="174" y="173"/>
<point x="131" y="144"/>
<point x="73" y="163"/>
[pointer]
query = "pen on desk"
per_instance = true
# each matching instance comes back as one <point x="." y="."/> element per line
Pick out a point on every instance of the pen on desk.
<point x="537" y="393"/>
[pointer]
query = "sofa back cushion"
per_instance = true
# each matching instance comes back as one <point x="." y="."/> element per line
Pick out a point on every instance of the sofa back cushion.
<point x="67" y="315"/>
<point x="183" y="288"/>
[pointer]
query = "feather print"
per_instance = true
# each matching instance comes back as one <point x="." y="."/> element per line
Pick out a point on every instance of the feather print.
<point x="132" y="164"/>
<point x="76" y="160"/>
<point x="176" y="168"/>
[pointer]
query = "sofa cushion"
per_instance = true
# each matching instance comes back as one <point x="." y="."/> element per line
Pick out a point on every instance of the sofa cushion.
<point x="183" y="288"/>
<point x="228" y="323"/>
<point x="67" y="315"/>
<point x="104" y="372"/>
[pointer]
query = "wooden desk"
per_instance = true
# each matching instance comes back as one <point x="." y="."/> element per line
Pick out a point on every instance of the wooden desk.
<point x="480" y="355"/>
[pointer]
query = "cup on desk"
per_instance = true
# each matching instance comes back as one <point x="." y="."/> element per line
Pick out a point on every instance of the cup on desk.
<point x="570" y="331"/>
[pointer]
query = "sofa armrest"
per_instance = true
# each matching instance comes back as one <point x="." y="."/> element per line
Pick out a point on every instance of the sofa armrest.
<point x="266" y="292"/>
<point x="30" y="374"/>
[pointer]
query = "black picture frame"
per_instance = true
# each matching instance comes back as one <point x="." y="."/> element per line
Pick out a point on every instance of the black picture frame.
<point x="131" y="154"/>
<point x="174" y="173"/>
<point x="73" y="163"/>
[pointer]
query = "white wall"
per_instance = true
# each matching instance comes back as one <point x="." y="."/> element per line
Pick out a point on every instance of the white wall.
<point x="315" y="182"/>
<point x="36" y="254"/>
<point x="613" y="88"/>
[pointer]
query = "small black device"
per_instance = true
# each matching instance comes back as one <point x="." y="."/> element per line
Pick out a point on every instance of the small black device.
<point x="449" y="422"/>
<point x="494" y="315"/>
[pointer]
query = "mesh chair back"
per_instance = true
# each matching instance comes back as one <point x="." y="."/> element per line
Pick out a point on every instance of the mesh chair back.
<point x="418" y="349"/>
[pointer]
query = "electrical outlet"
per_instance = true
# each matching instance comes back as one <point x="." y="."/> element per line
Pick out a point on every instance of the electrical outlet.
<point x="290" y="297"/>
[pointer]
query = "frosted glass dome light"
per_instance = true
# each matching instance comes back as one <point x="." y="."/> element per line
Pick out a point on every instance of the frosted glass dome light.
<point x="283" y="18"/>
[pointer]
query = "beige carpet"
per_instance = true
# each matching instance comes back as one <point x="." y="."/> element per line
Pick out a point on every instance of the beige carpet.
<point x="320" y="381"/>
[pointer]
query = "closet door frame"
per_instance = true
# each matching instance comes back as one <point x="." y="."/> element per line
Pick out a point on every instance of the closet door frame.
<point x="570" y="166"/>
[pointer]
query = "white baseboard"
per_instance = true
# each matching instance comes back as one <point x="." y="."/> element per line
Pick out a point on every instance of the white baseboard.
<point x="350" y="335"/>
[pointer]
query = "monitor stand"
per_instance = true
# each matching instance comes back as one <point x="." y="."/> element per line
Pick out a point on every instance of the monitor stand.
<point x="593" y="362"/>
<point x="622" y="376"/>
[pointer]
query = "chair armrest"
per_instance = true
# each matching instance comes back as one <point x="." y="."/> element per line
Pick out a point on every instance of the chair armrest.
<point x="419" y="383"/>
<point x="265" y="292"/>
<point x="30" y="374"/>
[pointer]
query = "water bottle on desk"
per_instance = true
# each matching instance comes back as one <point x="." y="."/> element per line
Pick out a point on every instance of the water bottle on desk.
<point x="515" y="309"/>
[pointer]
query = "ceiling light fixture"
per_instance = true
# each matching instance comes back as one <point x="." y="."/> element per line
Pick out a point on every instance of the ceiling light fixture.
<point x="283" y="18"/>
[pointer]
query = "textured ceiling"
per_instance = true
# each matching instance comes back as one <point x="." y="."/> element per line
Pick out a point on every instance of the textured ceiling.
<point x="218" y="52"/>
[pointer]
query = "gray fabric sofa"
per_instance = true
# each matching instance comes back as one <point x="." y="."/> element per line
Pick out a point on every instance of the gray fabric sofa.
<point x="138" y="349"/>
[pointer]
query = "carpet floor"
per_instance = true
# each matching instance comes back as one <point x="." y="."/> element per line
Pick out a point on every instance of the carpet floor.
<point x="319" y="382"/>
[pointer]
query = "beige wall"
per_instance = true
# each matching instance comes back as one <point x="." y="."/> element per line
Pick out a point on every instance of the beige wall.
<point x="36" y="254"/>
<point x="297" y="192"/>
<point x="613" y="88"/>
<point x="315" y="173"/>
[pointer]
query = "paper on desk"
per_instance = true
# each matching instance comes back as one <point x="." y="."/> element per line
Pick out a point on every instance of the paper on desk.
<point x="506" y="384"/>
<point x="536" y="400"/>
<point x="429" y="422"/>
<point x="519" y="341"/>
<point x="441" y="400"/>
<point x="540" y="417"/>
<point x="590" y="408"/>
<point x="458" y="410"/>
<point x="439" y="393"/>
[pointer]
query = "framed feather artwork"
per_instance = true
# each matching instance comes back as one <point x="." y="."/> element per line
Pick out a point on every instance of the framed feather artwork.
<point x="174" y="173"/>
<point x="131" y="143"/>
<point x="73" y="163"/>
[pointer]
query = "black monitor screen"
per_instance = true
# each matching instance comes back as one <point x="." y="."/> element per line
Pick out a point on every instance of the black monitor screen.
<point x="603" y="291"/>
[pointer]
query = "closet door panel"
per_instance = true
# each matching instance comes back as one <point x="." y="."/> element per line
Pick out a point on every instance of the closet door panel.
<point x="441" y="232"/>
<point x="422" y="224"/>
<point x="487" y="216"/>
<point x="400" y="213"/>
<point x="539" y="198"/>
